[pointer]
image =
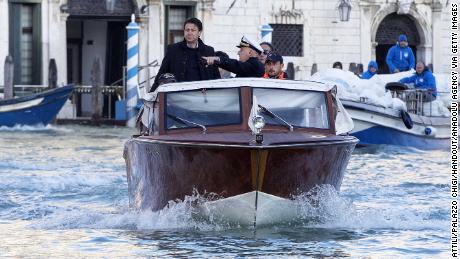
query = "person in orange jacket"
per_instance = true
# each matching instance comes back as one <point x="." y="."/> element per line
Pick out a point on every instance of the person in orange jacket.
<point x="274" y="66"/>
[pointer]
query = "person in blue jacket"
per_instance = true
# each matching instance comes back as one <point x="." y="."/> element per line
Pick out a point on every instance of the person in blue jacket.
<point x="400" y="57"/>
<point x="424" y="79"/>
<point x="372" y="68"/>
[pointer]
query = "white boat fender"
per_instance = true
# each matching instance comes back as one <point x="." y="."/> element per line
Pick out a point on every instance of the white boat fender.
<point x="407" y="119"/>
<point x="430" y="131"/>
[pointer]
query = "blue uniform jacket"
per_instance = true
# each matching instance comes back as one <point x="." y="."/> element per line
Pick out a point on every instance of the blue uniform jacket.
<point x="368" y="74"/>
<point x="424" y="80"/>
<point x="400" y="58"/>
<point x="250" y="68"/>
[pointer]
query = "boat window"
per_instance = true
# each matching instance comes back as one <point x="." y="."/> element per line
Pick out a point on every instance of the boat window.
<point x="306" y="109"/>
<point x="197" y="108"/>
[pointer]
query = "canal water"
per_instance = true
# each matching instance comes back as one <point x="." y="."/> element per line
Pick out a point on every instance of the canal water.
<point x="63" y="193"/>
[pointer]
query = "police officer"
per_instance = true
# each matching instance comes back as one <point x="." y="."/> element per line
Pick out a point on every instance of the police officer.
<point x="248" y="64"/>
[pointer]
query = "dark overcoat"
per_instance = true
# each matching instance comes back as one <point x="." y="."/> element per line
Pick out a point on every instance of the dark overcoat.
<point x="250" y="68"/>
<point x="175" y="62"/>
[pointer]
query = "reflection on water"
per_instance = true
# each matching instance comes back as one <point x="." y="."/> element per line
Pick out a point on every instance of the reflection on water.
<point x="63" y="192"/>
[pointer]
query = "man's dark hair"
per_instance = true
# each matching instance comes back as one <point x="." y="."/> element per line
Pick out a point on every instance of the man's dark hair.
<point x="337" y="64"/>
<point x="195" y="21"/>
<point x="274" y="56"/>
<point x="425" y="67"/>
<point x="268" y="44"/>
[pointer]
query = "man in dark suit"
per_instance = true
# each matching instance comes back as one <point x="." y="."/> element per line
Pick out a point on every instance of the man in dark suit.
<point x="248" y="64"/>
<point x="183" y="59"/>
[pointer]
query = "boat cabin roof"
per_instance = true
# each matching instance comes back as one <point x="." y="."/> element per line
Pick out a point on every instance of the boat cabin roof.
<point x="307" y="111"/>
<point x="251" y="82"/>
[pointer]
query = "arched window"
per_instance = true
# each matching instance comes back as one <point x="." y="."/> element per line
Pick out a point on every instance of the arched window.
<point x="387" y="35"/>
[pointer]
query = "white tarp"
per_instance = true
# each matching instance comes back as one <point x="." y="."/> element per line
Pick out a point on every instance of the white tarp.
<point x="350" y="87"/>
<point x="343" y="121"/>
<point x="244" y="81"/>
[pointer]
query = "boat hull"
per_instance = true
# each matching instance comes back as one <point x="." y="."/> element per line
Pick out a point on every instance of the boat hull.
<point x="377" y="125"/>
<point x="160" y="171"/>
<point x="36" y="109"/>
<point x="241" y="209"/>
<point x="381" y="135"/>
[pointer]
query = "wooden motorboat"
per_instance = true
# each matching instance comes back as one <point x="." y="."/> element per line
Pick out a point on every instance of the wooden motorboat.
<point x="254" y="143"/>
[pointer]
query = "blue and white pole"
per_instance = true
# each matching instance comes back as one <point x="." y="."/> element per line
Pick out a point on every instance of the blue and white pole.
<point x="266" y="32"/>
<point x="132" y="83"/>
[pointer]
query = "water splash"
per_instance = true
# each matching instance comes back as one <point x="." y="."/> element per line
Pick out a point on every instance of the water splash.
<point x="322" y="207"/>
<point x="35" y="128"/>
<point x="69" y="188"/>
<point x="176" y="215"/>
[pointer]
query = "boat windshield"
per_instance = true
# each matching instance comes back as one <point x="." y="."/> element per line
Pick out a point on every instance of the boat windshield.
<point x="304" y="109"/>
<point x="197" y="108"/>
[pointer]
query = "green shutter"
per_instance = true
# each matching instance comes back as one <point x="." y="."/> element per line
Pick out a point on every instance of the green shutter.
<point x="15" y="40"/>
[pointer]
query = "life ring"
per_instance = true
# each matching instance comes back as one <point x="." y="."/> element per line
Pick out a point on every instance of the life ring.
<point x="407" y="120"/>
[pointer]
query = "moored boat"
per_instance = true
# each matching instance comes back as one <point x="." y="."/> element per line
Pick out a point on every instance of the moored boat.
<point x="417" y="127"/>
<point x="35" y="109"/>
<point x="387" y="112"/>
<point x="253" y="143"/>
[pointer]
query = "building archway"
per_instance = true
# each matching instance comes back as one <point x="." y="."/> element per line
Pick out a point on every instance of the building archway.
<point x="387" y="34"/>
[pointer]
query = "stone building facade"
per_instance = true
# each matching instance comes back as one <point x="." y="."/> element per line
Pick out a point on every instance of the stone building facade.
<point x="75" y="32"/>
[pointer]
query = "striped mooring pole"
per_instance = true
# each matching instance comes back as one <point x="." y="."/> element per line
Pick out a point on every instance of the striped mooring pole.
<point x="132" y="83"/>
<point x="266" y="32"/>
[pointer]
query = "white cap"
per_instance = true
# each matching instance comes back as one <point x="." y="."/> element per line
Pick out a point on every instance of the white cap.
<point x="248" y="42"/>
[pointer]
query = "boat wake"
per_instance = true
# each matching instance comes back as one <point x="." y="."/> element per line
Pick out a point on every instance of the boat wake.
<point x="321" y="208"/>
<point x="34" y="128"/>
